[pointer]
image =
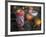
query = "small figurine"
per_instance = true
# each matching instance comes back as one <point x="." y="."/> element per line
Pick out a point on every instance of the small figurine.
<point x="37" y="24"/>
<point x="28" y="23"/>
<point x="20" y="19"/>
<point x="30" y="10"/>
